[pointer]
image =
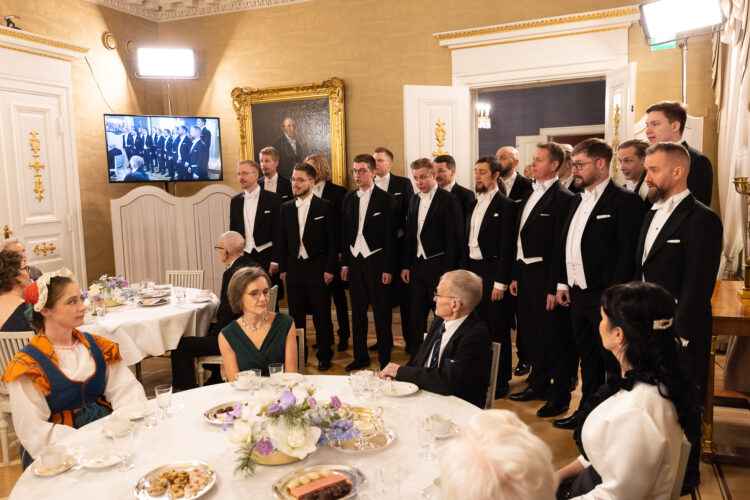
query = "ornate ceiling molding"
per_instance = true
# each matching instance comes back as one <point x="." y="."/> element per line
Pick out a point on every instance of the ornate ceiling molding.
<point x="172" y="10"/>
<point x="31" y="43"/>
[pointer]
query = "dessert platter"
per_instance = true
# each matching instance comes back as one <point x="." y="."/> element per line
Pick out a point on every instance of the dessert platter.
<point x="156" y="301"/>
<point x="373" y="435"/>
<point x="177" y="480"/>
<point x="218" y="413"/>
<point x="155" y="294"/>
<point x="319" y="482"/>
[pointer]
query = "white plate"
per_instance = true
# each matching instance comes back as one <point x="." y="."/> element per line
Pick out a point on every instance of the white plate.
<point x="235" y="385"/>
<point x="210" y="414"/>
<point x="42" y="471"/>
<point x="135" y="411"/>
<point x="397" y="389"/>
<point x="141" y="486"/>
<point x="154" y="302"/>
<point x="200" y="300"/>
<point x="452" y="432"/>
<point x="287" y="378"/>
<point x="100" y="457"/>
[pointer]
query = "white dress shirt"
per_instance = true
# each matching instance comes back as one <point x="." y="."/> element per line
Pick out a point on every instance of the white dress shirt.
<point x="425" y="199"/>
<point x="292" y="142"/>
<point x="317" y="189"/>
<point x="633" y="441"/>
<point x="663" y="210"/>
<point x="269" y="184"/>
<point x="450" y="328"/>
<point x="449" y="187"/>
<point x="383" y="182"/>
<point x="573" y="256"/>
<point x="249" y="212"/>
<point x="303" y="208"/>
<point x="642" y="192"/>
<point x="477" y="216"/>
<point x="567" y="182"/>
<point x="360" y="244"/>
<point x="509" y="182"/>
<point x="536" y="195"/>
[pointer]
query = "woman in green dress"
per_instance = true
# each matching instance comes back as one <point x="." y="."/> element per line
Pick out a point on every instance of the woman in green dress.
<point x="258" y="337"/>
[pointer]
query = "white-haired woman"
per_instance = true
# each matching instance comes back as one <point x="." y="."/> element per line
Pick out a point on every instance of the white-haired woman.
<point x="63" y="379"/>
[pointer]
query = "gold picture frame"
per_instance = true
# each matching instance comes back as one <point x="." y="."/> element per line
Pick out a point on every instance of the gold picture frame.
<point x="243" y="99"/>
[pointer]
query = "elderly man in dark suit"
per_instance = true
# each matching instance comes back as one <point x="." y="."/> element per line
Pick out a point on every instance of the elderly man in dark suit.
<point x="289" y="147"/>
<point x="445" y="174"/>
<point x="455" y="357"/>
<point x="230" y="246"/>
<point x="599" y="238"/>
<point x="307" y="258"/>
<point x="136" y="174"/>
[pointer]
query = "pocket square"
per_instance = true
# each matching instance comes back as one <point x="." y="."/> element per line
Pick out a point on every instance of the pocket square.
<point x="396" y="194"/>
<point x="496" y="214"/>
<point x="321" y="217"/>
<point x="673" y="241"/>
<point x="603" y="216"/>
<point x="517" y="201"/>
<point x="543" y="215"/>
<point x="376" y="214"/>
<point x="266" y="211"/>
<point x="447" y="361"/>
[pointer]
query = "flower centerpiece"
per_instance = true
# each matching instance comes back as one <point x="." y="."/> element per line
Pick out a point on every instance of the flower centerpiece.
<point x="107" y="289"/>
<point x="283" y="430"/>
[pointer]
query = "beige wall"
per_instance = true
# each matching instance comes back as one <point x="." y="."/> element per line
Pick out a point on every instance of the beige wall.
<point x="376" y="46"/>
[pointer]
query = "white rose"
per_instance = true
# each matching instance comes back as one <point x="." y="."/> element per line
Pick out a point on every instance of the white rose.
<point x="296" y="441"/>
<point x="94" y="290"/>
<point x="240" y="432"/>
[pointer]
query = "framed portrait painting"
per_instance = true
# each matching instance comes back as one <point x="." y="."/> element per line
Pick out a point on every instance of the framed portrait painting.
<point x="297" y="121"/>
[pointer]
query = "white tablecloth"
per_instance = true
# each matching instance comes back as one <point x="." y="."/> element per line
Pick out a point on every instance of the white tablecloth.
<point x="152" y="331"/>
<point x="185" y="436"/>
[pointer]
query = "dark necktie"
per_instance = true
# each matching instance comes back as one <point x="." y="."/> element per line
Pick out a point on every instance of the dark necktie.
<point x="436" y="347"/>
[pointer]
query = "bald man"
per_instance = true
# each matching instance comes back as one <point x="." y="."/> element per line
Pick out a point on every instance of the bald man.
<point x="230" y="247"/>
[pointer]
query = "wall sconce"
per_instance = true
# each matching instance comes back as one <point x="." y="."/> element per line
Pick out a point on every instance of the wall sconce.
<point x="483" y="116"/>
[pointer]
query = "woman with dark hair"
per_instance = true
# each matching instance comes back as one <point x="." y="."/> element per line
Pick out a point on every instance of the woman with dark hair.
<point x="63" y="379"/>
<point x="13" y="280"/>
<point x="633" y="427"/>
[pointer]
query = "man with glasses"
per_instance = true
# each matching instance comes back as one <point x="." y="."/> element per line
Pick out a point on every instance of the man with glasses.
<point x="432" y="245"/>
<point x="454" y="359"/>
<point x="367" y="221"/>
<point x="15" y="245"/>
<point x="307" y="259"/>
<point x="599" y="238"/>
<point x="445" y="174"/>
<point x="230" y="247"/>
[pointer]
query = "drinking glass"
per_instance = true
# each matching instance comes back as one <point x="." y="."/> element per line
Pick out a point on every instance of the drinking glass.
<point x="179" y="292"/>
<point x="150" y="285"/>
<point x="389" y="481"/>
<point x="101" y="309"/>
<point x="357" y="381"/>
<point x="426" y="439"/>
<point x="152" y="412"/>
<point x="275" y="368"/>
<point x="163" y="399"/>
<point x="255" y="380"/>
<point x="124" y="445"/>
<point x="137" y="287"/>
<point x="370" y="385"/>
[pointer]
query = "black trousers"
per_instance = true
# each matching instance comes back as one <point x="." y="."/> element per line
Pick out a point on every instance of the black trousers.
<point x="307" y="290"/>
<point x="400" y="297"/>
<point x="424" y="277"/>
<point x="595" y="360"/>
<point x="547" y="333"/>
<point x="338" y="293"/>
<point x="264" y="260"/>
<point x="189" y="348"/>
<point x="366" y="289"/>
<point x="494" y="316"/>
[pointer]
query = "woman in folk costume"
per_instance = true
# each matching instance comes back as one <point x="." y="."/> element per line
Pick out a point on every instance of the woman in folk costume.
<point x="63" y="379"/>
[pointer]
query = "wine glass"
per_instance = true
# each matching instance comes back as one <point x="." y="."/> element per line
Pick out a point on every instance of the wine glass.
<point x="124" y="445"/>
<point x="274" y="368"/>
<point x="163" y="399"/>
<point x="426" y="439"/>
<point x="179" y="293"/>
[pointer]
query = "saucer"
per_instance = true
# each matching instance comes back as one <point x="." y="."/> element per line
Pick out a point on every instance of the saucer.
<point x="41" y="470"/>
<point x="100" y="457"/>
<point x="236" y="385"/>
<point x="452" y="432"/>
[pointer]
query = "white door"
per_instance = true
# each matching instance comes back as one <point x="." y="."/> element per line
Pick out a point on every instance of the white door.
<point x="36" y="205"/>
<point x="619" y="118"/>
<point x="439" y="120"/>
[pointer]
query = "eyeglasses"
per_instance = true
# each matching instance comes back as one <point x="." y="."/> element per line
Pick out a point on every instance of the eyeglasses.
<point x="300" y="179"/>
<point x="579" y="164"/>
<point x="359" y="171"/>
<point x="219" y="248"/>
<point x="436" y="295"/>
<point x="255" y="294"/>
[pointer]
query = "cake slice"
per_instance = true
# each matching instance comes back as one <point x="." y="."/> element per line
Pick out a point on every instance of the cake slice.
<point x="335" y="483"/>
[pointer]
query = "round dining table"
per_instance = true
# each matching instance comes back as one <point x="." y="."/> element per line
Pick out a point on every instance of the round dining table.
<point x="186" y="436"/>
<point x="143" y="331"/>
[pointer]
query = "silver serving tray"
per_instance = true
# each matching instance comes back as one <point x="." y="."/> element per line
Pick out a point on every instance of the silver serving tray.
<point x="353" y="474"/>
<point x="142" y="485"/>
<point x="210" y="414"/>
<point x="378" y="442"/>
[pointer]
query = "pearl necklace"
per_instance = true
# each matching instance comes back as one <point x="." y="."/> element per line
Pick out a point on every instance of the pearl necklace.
<point x="257" y="327"/>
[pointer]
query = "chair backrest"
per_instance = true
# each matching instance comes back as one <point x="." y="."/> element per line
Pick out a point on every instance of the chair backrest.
<point x="493" y="375"/>
<point x="188" y="279"/>
<point x="272" y="298"/>
<point x="300" y="350"/>
<point x="681" y="468"/>
<point x="10" y="344"/>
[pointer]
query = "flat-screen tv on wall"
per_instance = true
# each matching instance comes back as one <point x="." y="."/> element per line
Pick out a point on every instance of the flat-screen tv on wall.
<point x="143" y="148"/>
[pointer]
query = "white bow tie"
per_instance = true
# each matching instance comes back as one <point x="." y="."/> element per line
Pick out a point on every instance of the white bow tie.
<point x="253" y="195"/>
<point x="424" y="196"/>
<point x="361" y="193"/>
<point x="300" y="203"/>
<point x="586" y="195"/>
<point x="538" y="186"/>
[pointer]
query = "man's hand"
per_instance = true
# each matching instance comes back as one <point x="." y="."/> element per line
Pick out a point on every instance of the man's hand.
<point x="551" y="302"/>
<point x="387" y="277"/>
<point x="497" y="294"/>
<point x="390" y="371"/>
<point x="344" y="274"/>
<point x="327" y="277"/>
<point x="283" y="277"/>
<point x="405" y="276"/>
<point x="513" y="288"/>
<point x="273" y="269"/>
<point x="563" y="297"/>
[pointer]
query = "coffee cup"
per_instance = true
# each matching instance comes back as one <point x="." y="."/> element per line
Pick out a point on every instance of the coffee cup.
<point x="54" y="456"/>
<point x="440" y="424"/>
<point x="205" y="293"/>
<point x="243" y="378"/>
<point x="117" y="424"/>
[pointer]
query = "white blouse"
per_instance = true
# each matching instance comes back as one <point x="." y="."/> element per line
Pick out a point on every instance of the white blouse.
<point x="29" y="406"/>
<point x="633" y="440"/>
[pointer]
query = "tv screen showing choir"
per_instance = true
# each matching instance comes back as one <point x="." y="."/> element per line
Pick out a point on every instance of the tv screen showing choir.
<point x="162" y="148"/>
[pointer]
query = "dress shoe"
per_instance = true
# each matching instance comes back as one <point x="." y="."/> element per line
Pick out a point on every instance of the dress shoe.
<point x="501" y="391"/>
<point x="522" y="368"/>
<point x="573" y="383"/>
<point x="552" y="409"/>
<point x="373" y="347"/>
<point x="527" y="394"/>
<point x="356" y="365"/>
<point x="324" y="366"/>
<point x="343" y="344"/>
<point x="315" y="346"/>
<point x="569" y="423"/>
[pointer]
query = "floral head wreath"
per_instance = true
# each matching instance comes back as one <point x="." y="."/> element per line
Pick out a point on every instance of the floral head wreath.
<point x="663" y="324"/>
<point x="36" y="293"/>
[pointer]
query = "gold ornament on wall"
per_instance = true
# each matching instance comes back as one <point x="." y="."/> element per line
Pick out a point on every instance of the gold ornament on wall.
<point x="616" y="141"/>
<point x="439" y="138"/>
<point x="44" y="248"/>
<point x="36" y="165"/>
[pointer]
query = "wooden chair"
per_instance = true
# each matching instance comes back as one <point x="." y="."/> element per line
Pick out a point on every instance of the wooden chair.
<point x="188" y="279"/>
<point x="493" y="375"/>
<point x="216" y="360"/>
<point x="10" y="344"/>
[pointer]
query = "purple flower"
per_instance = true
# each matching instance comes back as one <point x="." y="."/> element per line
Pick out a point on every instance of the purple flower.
<point x="311" y="401"/>
<point x="264" y="447"/>
<point x="229" y="417"/>
<point x="286" y="400"/>
<point x="335" y="401"/>
<point x="84" y="293"/>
